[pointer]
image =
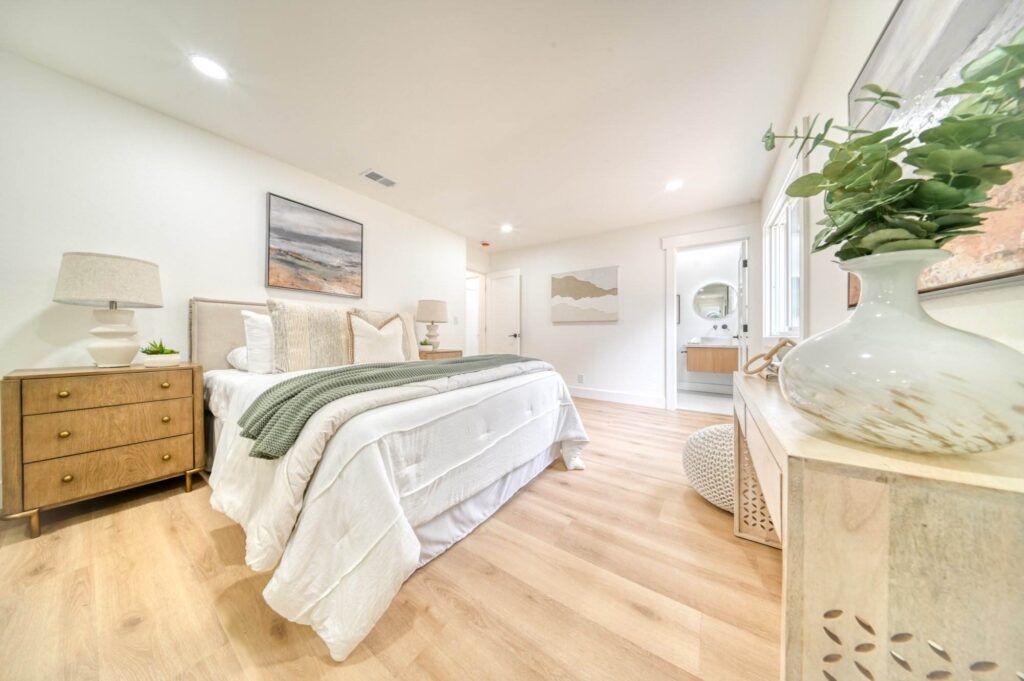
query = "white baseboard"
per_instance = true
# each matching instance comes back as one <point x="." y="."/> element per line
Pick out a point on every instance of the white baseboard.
<point x="637" y="399"/>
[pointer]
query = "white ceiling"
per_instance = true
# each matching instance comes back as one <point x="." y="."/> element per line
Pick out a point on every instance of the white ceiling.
<point x="563" y="117"/>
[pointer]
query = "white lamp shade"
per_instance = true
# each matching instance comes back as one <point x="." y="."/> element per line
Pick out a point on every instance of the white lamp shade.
<point x="432" y="311"/>
<point x="97" y="279"/>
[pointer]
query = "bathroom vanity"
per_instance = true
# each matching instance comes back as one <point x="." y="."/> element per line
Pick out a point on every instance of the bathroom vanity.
<point x="712" y="359"/>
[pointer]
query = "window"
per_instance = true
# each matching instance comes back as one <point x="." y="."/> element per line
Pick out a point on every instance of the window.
<point x="783" y="256"/>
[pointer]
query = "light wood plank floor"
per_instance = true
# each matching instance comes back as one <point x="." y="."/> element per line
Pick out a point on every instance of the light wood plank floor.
<point x="617" y="572"/>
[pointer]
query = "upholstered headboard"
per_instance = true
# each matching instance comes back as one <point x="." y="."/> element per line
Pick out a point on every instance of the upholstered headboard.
<point x="216" y="328"/>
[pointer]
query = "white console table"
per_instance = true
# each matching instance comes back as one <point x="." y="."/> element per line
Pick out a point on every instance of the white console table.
<point x="897" y="565"/>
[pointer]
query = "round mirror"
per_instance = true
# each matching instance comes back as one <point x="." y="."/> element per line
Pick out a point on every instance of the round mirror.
<point x="714" y="301"/>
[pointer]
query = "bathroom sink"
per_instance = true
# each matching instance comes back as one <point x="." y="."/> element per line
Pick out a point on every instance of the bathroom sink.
<point x="717" y="340"/>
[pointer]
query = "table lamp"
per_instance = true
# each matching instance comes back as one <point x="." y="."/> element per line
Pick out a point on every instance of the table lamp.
<point x="432" y="312"/>
<point x="110" y="282"/>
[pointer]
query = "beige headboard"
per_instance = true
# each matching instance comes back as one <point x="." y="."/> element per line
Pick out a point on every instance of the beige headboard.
<point x="215" y="328"/>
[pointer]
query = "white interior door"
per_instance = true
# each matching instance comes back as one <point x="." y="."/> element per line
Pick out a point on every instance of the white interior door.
<point x="501" y="333"/>
<point x="474" y="316"/>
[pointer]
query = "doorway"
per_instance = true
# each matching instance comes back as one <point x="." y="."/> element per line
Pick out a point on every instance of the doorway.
<point x="710" y="285"/>
<point x="475" y="296"/>
<point x="501" y="335"/>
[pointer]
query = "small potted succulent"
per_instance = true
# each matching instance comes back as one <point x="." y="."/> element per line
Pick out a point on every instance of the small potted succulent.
<point x="891" y="375"/>
<point x="157" y="355"/>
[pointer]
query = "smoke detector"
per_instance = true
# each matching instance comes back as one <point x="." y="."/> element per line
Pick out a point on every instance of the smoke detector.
<point x="373" y="175"/>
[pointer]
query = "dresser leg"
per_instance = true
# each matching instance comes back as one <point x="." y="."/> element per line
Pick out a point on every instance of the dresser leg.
<point x="33" y="520"/>
<point x="188" y="478"/>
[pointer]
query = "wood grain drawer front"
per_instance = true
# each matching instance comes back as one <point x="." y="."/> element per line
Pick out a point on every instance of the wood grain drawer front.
<point x="84" y="475"/>
<point x="440" y="354"/>
<point x="45" y="395"/>
<point x="47" y="436"/>
<point x="768" y="473"/>
<point x="712" y="360"/>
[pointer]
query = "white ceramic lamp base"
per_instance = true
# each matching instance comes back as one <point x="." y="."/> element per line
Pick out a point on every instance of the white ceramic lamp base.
<point x="433" y="337"/>
<point x="116" y="345"/>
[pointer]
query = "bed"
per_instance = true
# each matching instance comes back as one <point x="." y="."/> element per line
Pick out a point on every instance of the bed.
<point x="352" y="510"/>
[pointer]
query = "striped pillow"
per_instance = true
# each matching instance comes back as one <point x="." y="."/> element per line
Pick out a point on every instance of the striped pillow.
<point x="309" y="336"/>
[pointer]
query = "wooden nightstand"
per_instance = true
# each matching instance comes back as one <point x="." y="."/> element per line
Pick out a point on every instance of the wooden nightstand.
<point x="75" y="433"/>
<point x="440" y="354"/>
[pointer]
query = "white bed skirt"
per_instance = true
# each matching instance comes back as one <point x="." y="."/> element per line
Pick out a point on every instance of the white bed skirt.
<point x="446" y="529"/>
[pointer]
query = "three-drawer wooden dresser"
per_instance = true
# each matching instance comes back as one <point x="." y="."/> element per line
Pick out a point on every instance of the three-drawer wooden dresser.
<point x="75" y="433"/>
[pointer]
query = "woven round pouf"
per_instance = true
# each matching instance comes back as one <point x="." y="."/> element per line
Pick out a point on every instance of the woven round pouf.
<point x="710" y="466"/>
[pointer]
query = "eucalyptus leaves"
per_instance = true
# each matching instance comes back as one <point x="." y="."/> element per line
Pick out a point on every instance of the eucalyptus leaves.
<point x="871" y="208"/>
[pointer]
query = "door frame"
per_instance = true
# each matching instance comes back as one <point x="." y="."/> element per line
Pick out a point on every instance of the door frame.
<point x="487" y="302"/>
<point x="672" y="244"/>
<point x="482" y="311"/>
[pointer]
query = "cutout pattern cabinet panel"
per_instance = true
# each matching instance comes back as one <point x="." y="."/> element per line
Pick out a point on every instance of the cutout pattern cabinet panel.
<point x="898" y="565"/>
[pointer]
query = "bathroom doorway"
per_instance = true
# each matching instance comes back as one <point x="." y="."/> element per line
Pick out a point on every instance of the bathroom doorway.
<point x="710" y="321"/>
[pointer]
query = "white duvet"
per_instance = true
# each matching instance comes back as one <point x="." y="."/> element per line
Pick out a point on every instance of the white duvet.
<point x="338" y="515"/>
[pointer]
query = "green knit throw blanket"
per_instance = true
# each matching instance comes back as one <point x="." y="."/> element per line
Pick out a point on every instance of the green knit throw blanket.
<point x="277" y="416"/>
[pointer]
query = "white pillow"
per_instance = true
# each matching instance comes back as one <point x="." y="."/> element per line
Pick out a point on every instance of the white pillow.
<point x="259" y="342"/>
<point x="370" y="344"/>
<point x="239" y="359"/>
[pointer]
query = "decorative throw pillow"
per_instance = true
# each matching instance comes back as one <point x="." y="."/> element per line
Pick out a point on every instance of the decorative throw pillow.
<point x="239" y="359"/>
<point x="309" y="336"/>
<point x="378" y="319"/>
<point x="373" y="344"/>
<point x="259" y="342"/>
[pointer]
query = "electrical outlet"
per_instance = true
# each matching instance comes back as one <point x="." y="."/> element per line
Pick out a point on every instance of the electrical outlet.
<point x="579" y="379"/>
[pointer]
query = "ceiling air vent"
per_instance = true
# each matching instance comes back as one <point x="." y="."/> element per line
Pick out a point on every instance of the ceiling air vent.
<point x="378" y="178"/>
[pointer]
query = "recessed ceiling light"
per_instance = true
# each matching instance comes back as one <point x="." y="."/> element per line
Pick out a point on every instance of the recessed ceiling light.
<point x="506" y="228"/>
<point x="673" y="185"/>
<point x="208" y="67"/>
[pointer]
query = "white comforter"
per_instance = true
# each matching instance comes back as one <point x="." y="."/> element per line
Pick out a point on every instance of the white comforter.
<point x="338" y="514"/>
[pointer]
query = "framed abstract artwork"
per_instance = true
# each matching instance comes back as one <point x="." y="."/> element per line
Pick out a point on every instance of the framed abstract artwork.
<point x="922" y="49"/>
<point x="585" y="295"/>
<point x="309" y="249"/>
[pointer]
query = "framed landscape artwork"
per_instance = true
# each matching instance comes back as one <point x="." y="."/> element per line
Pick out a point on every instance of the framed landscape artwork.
<point x="309" y="249"/>
<point x="585" y="295"/>
<point x="923" y="48"/>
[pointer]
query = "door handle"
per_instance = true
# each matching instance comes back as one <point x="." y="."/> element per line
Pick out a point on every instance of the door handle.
<point x="513" y="335"/>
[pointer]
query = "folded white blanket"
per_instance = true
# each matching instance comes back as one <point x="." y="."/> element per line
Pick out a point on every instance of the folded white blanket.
<point x="337" y="513"/>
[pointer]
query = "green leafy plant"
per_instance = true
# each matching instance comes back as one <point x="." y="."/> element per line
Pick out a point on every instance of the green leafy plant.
<point x="424" y="342"/>
<point x="157" y="348"/>
<point x="870" y="207"/>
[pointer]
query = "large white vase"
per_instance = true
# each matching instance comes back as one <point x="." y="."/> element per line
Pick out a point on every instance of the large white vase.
<point x="892" y="376"/>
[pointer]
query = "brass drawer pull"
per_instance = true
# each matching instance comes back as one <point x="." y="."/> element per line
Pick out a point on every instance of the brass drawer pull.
<point x="165" y="384"/>
<point x="63" y="393"/>
<point x="64" y="434"/>
<point x="166" y="419"/>
<point x="166" y="457"/>
<point x="68" y="478"/>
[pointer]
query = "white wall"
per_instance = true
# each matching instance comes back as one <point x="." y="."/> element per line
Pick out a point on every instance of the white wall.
<point x="697" y="267"/>
<point x="477" y="258"/>
<point x="625" y="360"/>
<point x="850" y="32"/>
<point x="81" y="169"/>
